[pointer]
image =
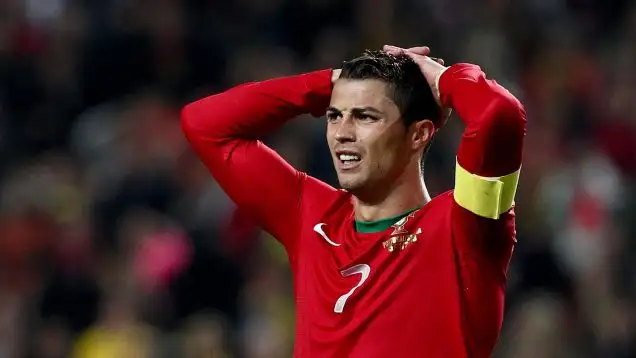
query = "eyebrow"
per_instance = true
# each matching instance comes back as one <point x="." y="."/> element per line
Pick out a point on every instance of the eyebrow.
<point x="356" y="109"/>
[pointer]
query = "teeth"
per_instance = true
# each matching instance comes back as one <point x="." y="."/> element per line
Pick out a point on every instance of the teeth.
<point x="348" y="157"/>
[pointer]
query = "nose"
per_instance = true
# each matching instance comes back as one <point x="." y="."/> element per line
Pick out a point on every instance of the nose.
<point x="345" y="132"/>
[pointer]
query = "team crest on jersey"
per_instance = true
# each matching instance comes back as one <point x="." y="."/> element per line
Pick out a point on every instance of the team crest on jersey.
<point x="400" y="238"/>
<point x="398" y="227"/>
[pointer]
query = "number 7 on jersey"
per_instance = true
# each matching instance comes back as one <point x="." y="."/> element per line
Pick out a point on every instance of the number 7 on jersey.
<point x="364" y="270"/>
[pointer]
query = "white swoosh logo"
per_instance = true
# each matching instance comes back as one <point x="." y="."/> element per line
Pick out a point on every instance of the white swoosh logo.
<point x="320" y="231"/>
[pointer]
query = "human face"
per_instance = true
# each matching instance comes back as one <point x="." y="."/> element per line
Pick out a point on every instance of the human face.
<point x="368" y="141"/>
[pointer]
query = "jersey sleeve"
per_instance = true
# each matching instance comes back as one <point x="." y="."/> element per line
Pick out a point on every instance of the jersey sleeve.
<point x="225" y="129"/>
<point x="490" y="150"/>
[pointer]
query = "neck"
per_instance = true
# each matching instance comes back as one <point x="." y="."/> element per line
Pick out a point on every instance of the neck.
<point x="406" y="194"/>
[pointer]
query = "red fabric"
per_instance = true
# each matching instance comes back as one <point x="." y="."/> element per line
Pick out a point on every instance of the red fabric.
<point x="441" y="295"/>
<point x="223" y="129"/>
<point x="495" y="121"/>
<point x="617" y="139"/>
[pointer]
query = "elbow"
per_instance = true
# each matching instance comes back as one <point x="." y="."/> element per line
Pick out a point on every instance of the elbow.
<point x="196" y="118"/>
<point x="188" y="115"/>
<point x="508" y="115"/>
<point x="202" y="123"/>
<point x="498" y="138"/>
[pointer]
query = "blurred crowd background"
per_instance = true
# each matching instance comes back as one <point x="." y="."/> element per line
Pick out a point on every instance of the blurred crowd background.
<point x="115" y="242"/>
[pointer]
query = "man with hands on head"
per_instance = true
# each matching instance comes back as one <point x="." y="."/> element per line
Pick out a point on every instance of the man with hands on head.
<point x="380" y="269"/>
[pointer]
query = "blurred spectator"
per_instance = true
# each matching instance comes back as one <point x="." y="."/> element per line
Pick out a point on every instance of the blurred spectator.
<point x="115" y="241"/>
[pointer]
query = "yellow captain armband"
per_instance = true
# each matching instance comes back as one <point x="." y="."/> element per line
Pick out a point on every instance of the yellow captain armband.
<point x="483" y="196"/>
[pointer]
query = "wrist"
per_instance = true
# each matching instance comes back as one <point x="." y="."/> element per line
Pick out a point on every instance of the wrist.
<point x="436" y="90"/>
<point x="335" y="74"/>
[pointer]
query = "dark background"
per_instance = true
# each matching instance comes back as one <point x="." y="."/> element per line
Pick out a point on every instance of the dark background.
<point x="115" y="242"/>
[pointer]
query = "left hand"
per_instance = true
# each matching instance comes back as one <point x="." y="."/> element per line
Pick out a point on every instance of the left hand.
<point x="335" y="74"/>
<point x="431" y="68"/>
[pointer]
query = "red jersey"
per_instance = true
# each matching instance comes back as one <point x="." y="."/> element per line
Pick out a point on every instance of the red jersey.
<point x="431" y="284"/>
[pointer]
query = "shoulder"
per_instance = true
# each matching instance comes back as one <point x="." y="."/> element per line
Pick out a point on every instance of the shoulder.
<point x="445" y="204"/>
<point x="438" y="211"/>
<point x="320" y="198"/>
<point x="440" y="203"/>
<point x="316" y="191"/>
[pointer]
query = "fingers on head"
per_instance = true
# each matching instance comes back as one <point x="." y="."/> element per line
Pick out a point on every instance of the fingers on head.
<point x="393" y="50"/>
<point x="412" y="52"/>
<point x="420" y="50"/>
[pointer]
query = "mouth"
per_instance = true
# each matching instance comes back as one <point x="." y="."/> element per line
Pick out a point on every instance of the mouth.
<point x="347" y="160"/>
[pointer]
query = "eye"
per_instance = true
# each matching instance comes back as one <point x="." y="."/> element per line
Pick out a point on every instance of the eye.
<point x="365" y="117"/>
<point x="332" y="116"/>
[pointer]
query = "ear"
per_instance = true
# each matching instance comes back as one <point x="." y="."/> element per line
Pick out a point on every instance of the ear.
<point x="421" y="133"/>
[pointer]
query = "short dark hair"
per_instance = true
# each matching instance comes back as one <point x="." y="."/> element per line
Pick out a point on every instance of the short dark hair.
<point x="408" y="86"/>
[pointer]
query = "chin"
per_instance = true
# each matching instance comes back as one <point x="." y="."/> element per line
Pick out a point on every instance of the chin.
<point x="347" y="186"/>
<point x="350" y="184"/>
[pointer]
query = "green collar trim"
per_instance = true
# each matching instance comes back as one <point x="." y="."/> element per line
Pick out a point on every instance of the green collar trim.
<point x="369" y="227"/>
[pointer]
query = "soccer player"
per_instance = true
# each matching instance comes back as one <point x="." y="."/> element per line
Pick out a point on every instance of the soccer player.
<point x="380" y="269"/>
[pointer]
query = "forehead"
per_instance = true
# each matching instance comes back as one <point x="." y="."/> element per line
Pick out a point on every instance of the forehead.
<point x="349" y="94"/>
